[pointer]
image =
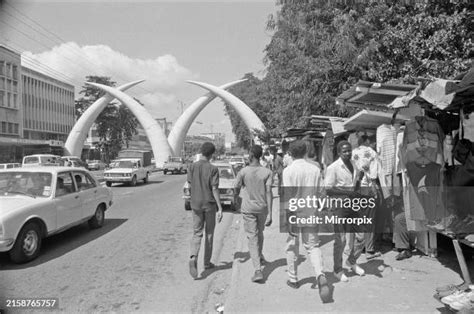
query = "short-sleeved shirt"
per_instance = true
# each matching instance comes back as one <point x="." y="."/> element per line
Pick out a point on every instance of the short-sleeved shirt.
<point x="257" y="180"/>
<point x="202" y="176"/>
<point x="338" y="175"/>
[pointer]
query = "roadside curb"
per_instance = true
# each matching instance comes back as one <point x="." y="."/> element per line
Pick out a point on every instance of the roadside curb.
<point x="236" y="265"/>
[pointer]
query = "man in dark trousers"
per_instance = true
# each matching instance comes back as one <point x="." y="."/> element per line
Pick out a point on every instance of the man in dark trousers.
<point x="203" y="178"/>
<point x="256" y="206"/>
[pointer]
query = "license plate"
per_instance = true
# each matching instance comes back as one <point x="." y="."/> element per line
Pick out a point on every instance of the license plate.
<point x="227" y="202"/>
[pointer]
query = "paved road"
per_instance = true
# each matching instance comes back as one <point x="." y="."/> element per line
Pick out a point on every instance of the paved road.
<point x="136" y="262"/>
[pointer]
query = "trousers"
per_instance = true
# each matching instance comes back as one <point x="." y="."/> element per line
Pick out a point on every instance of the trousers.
<point x="203" y="220"/>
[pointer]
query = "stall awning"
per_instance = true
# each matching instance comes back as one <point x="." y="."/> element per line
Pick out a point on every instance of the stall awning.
<point x="367" y="119"/>
<point x="371" y="95"/>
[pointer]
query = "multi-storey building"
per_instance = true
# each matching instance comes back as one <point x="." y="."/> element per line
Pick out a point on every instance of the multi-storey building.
<point x="36" y="110"/>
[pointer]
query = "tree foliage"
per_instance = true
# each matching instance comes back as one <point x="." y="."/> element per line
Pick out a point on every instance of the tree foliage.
<point x="116" y="124"/>
<point x="321" y="48"/>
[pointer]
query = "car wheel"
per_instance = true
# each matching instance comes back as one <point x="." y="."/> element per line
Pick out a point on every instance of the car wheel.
<point x="134" y="181"/>
<point x="146" y="179"/>
<point x="108" y="183"/>
<point x="97" y="220"/>
<point x="187" y="205"/>
<point x="27" y="245"/>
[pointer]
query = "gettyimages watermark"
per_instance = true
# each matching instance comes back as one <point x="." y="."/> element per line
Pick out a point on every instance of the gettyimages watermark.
<point x="308" y="208"/>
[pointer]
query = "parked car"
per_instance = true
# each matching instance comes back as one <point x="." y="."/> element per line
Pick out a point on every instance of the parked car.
<point x="37" y="202"/>
<point x="42" y="160"/>
<point x="237" y="161"/>
<point x="175" y="165"/>
<point x="9" y="165"/>
<point x="96" y="165"/>
<point x="74" y="161"/>
<point x="227" y="192"/>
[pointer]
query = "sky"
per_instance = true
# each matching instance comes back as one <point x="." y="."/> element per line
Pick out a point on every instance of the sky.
<point x="163" y="42"/>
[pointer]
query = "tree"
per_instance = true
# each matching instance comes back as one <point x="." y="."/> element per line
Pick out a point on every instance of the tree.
<point x="116" y="124"/>
<point x="320" y="48"/>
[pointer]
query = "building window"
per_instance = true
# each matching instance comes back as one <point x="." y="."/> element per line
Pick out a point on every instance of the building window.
<point x="15" y="72"/>
<point x="2" y="98"/>
<point x="2" y="67"/>
<point x="4" y="127"/>
<point x="15" y="128"/>
<point x="10" y="127"/>
<point x="15" y="105"/>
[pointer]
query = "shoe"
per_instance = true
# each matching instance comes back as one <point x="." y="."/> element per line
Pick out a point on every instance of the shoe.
<point x="193" y="267"/>
<point x="456" y="296"/>
<point x="324" y="292"/>
<point x="356" y="269"/>
<point x="371" y="255"/>
<point x="209" y="266"/>
<point x="258" y="276"/>
<point x="403" y="255"/>
<point x="293" y="284"/>
<point x="464" y="303"/>
<point x="341" y="276"/>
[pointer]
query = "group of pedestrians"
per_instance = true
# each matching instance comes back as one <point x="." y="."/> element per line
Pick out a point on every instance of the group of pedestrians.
<point x="302" y="176"/>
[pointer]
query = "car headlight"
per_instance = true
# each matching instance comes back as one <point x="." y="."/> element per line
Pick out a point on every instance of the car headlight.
<point x="229" y="191"/>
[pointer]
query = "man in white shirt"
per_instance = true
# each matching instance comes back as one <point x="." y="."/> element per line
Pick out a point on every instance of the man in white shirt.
<point x="302" y="179"/>
<point x="340" y="179"/>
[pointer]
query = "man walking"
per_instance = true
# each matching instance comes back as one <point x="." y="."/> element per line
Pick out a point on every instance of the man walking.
<point x="203" y="178"/>
<point x="340" y="181"/>
<point x="302" y="179"/>
<point x="256" y="206"/>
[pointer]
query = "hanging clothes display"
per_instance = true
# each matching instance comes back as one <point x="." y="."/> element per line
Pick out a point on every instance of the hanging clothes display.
<point x="423" y="159"/>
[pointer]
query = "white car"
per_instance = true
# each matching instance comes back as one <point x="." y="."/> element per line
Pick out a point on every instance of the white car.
<point x="37" y="202"/>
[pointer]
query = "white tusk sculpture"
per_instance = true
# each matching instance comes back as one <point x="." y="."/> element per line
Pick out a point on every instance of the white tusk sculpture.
<point x="154" y="132"/>
<point x="182" y="125"/>
<point x="78" y="134"/>
<point x="251" y="120"/>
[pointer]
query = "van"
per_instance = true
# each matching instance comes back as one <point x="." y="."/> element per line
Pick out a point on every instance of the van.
<point x="9" y="166"/>
<point x="42" y="160"/>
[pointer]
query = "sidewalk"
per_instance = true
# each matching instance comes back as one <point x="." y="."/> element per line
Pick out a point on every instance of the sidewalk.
<point x="388" y="286"/>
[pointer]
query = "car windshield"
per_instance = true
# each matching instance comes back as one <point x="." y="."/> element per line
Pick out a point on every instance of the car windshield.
<point x="124" y="164"/>
<point x="226" y="172"/>
<point x="34" y="184"/>
<point x="175" y="159"/>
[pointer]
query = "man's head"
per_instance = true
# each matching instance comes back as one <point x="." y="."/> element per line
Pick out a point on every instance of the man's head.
<point x="256" y="152"/>
<point x="208" y="149"/>
<point x="344" y="150"/>
<point x="298" y="149"/>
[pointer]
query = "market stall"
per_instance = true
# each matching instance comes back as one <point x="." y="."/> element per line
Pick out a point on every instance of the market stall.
<point x="424" y="141"/>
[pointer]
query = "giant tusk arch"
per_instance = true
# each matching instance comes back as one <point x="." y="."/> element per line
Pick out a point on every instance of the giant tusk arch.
<point x="154" y="132"/>
<point x="77" y="136"/>
<point x="182" y="125"/>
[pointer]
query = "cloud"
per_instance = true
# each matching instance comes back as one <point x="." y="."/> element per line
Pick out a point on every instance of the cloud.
<point x="163" y="75"/>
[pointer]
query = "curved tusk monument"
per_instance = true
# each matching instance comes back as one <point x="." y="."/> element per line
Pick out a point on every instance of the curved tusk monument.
<point x="182" y="125"/>
<point x="158" y="141"/>
<point x="251" y="120"/>
<point x="78" y="134"/>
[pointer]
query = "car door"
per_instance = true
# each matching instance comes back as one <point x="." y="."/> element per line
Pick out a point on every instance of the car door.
<point x="88" y="192"/>
<point x="67" y="201"/>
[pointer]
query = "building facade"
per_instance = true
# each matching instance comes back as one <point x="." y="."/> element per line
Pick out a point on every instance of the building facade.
<point x="36" y="110"/>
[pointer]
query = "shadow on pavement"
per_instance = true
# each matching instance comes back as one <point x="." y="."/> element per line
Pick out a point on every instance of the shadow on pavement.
<point x="242" y="256"/>
<point x="206" y="273"/>
<point x="373" y="267"/>
<point x="62" y="243"/>
<point x="271" y="266"/>
<point x="118" y="185"/>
